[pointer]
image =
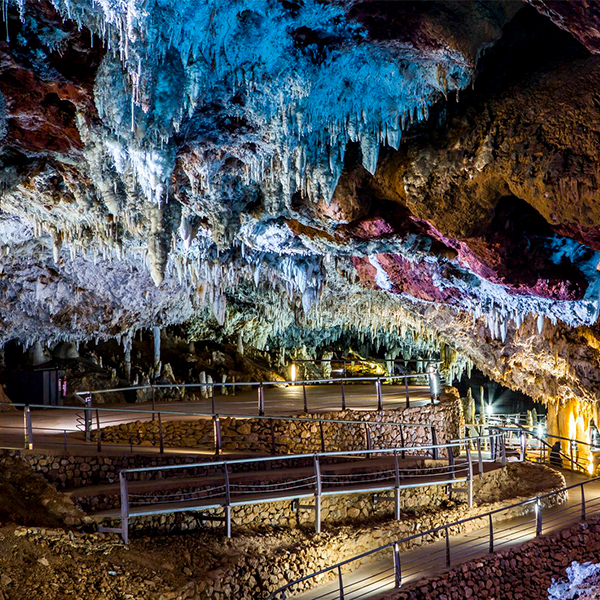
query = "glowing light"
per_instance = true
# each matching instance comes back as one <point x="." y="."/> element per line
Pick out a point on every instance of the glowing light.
<point x="489" y="409"/>
<point x="591" y="468"/>
<point x="540" y="431"/>
<point x="293" y="370"/>
<point x="572" y="427"/>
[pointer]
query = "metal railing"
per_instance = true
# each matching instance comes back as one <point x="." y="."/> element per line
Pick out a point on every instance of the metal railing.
<point x="218" y="487"/>
<point x="402" y="561"/>
<point x="268" y="434"/>
<point x="538" y="447"/>
<point x="209" y="390"/>
<point x="342" y="364"/>
<point x="512" y="419"/>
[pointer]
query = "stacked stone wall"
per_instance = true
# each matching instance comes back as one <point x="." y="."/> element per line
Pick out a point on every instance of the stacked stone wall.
<point x="387" y="428"/>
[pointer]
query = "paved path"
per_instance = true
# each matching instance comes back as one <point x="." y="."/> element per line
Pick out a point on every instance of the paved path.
<point x="374" y="580"/>
<point x="249" y="487"/>
<point x="50" y="426"/>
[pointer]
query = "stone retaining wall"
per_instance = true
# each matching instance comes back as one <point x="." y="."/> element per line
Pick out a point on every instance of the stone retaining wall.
<point x="283" y="436"/>
<point x="67" y="470"/>
<point x="522" y="573"/>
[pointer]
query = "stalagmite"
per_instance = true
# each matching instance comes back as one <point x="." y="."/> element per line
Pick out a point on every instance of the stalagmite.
<point x="156" y="354"/>
<point x="224" y="389"/>
<point x="127" y="344"/>
<point x="203" y="388"/>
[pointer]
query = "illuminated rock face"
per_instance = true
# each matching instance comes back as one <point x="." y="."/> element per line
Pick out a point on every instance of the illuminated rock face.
<point x="291" y="173"/>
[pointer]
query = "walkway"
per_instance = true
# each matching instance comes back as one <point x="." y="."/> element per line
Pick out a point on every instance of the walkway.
<point x="373" y="580"/>
<point x="338" y="478"/>
<point x="55" y="427"/>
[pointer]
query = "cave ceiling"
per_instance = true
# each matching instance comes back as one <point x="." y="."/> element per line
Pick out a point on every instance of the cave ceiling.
<point x="287" y="170"/>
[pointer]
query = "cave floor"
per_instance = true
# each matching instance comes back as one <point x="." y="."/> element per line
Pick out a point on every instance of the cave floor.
<point x="374" y="580"/>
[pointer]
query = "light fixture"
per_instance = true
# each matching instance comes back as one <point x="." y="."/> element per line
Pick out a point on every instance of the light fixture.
<point x="293" y="370"/>
<point x="489" y="410"/>
<point x="591" y="467"/>
<point x="540" y="431"/>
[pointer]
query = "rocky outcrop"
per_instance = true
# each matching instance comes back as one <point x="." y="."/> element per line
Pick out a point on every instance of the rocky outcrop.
<point x="27" y="498"/>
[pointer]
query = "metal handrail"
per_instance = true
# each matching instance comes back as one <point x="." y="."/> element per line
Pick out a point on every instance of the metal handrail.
<point x="210" y="414"/>
<point x="280" y="592"/>
<point x="429" y="361"/>
<point x="394" y="484"/>
<point x="216" y="384"/>
<point x="526" y="432"/>
<point x="453" y="444"/>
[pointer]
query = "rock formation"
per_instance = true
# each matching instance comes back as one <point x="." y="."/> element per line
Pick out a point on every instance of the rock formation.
<point x="289" y="173"/>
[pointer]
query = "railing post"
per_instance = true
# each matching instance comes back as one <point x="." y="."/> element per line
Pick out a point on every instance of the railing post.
<point x="397" y="490"/>
<point x="479" y="457"/>
<point x="430" y="379"/>
<point x="98" y="432"/>
<point x="341" y="583"/>
<point x="368" y="440"/>
<point x="212" y="398"/>
<point x="321" y="435"/>
<point x="343" y="395"/>
<point x="304" y="396"/>
<point x="538" y="517"/>
<point x="379" y="394"/>
<point x="227" y="502"/>
<point x="503" y="449"/>
<point x="161" y="435"/>
<point x="571" y="444"/>
<point x="65" y="439"/>
<point x="402" y="440"/>
<point x="582" y="503"/>
<point x="406" y="392"/>
<point x="261" y="400"/>
<point x="28" y="427"/>
<point x="318" y="490"/>
<point x="87" y="418"/>
<point x="217" y="434"/>
<point x="491" y="533"/>
<point x="435" y="452"/>
<point x="448" y="561"/>
<point x="470" y="476"/>
<point x="451" y="463"/>
<point x="124" y="507"/>
<point x="523" y="444"/>
<point x="153" y="399"/>
<point x="397" y="566"/>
